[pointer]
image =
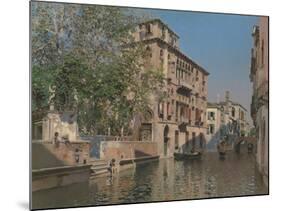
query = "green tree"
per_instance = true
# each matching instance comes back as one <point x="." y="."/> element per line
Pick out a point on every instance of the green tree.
<point x="80" y="51"/>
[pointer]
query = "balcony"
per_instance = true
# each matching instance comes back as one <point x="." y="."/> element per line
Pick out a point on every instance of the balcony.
<point x="184" y="87"/>
<point x="199" y="123"/>
<point x="183" y="122"/>
<point x="185" y="84"/>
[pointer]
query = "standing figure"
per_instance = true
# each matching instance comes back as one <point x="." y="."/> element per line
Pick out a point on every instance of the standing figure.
<point x="56" y="139"/>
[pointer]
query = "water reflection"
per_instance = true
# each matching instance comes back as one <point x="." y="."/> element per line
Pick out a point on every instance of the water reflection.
<point x="161" y="181"/>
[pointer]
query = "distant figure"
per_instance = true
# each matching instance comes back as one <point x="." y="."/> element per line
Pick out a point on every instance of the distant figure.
<point x="222" y="149"/>
<point x="192" y="150"/>
<point x="66" y="140"/>
<point x="56" y="139"/>
<point x="112" y="166"/>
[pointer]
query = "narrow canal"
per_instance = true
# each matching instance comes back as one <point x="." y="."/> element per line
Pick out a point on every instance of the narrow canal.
<point x="161" y="181"/>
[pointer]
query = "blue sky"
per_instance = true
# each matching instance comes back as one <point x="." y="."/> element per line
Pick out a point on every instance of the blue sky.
<point x="221" y="44"/>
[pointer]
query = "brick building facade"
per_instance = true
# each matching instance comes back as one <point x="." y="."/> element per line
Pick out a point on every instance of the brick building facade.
<point x="259" y="79"/>
<point x="178" y="122"/>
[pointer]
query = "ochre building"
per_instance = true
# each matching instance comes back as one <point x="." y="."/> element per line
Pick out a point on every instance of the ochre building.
<point x="177" y="122"/>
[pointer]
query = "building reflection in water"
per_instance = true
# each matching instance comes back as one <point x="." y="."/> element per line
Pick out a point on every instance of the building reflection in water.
<point x="162" y="181"/>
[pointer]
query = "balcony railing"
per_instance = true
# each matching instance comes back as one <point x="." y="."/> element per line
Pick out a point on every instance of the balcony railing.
<point x="199" y="123"/>
<point x="184" y="120"/>
<point x="185" y="84"/>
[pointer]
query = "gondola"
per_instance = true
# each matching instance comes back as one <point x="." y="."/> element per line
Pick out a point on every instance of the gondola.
<point x="187" y="156"/>
<point x="222" y="150"/>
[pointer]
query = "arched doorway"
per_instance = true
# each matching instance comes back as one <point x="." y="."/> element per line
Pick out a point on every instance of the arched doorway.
<point x="166" y="139"/>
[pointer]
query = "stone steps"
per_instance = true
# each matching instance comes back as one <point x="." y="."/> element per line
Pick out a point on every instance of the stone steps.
<point x="99" y="167"/>
<point x="98" y="162"/>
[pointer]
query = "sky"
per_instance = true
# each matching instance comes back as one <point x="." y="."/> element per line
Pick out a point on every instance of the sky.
<point x="221" y="44"/>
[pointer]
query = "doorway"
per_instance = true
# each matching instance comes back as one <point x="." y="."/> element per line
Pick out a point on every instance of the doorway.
<point x="166" y="140"/>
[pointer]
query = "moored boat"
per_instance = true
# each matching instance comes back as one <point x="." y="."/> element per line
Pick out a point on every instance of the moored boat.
<point x="222" y="150"/>
<point x="187" y="156"/>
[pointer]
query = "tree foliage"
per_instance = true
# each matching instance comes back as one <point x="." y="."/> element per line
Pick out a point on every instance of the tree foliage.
<point x="78" y="50"/>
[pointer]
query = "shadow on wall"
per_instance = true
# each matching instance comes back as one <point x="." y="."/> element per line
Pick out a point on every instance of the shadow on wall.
<point x="43" y="158"/>
<point x="230" y="130"/>
<point x="139" y="153"/>
<point x="95" y="146"/>
<point x="197" y="143"/>
<point x="95" y="143"/>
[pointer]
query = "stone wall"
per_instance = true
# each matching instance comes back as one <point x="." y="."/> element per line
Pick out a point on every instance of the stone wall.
<point x="127" y="149"/>
<point x="262" y="142"/>
<point x="48" y="155"/>
<point x="166" y="145"/>
<point x="59" y="176"/>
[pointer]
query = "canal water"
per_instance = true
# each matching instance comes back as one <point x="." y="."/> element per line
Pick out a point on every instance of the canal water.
<point x="162" y="180"/>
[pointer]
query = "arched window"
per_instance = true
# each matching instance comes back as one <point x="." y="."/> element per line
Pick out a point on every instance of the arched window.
<point x="148" y="28"/>
<point x="148" y="115"/>
<point x="161" y="53"/>
<point x="233" y="112"/>
<point x="160" y="109"/>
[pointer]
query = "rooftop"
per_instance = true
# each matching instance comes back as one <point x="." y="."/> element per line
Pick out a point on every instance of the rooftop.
<point x="213" y="105"/>
<point x="162" y="23"/>
<point x="233" y="103"/>
<point x="172" y="47"/>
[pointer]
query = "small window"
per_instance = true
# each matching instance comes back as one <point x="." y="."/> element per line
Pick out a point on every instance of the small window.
<point x="163" y="32"/>
<point x="211" y="128"/>
<point x="233" y="112"/>
<point x="161" y="53"/>
<point x="148" y="29"/>
<point x="160" y="109"/>
<point x="211" y="115"/>
<point x="176" y="139"/>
